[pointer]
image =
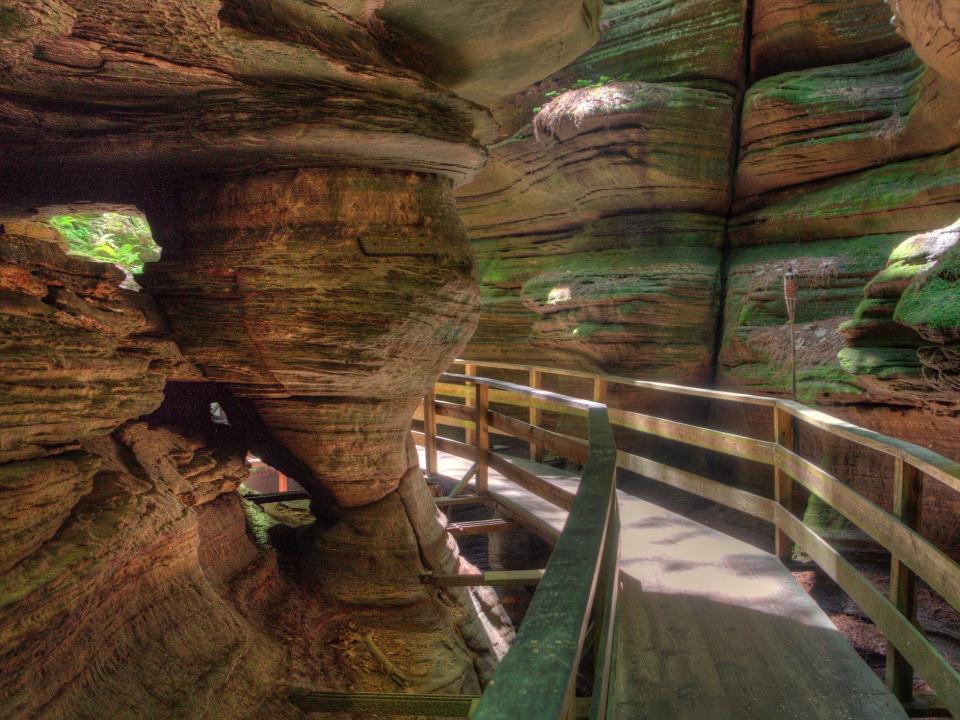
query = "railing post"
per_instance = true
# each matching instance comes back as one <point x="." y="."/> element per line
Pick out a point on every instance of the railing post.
<point x="470" y="369"/>
<point x="536" y="414"/>
<point x="907" y="494"/>
<point x="482" y="397"/>
<point x="600" y="388"/>
<point x="430" y="432"/>
<point x="783" y="430"/>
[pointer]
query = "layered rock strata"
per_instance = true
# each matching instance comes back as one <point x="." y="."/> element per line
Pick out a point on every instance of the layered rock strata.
<point x="837" y="159"/>
<point x="328" y="299"/>
<point x="296" y="162"/>
<point x="599" y="224"/>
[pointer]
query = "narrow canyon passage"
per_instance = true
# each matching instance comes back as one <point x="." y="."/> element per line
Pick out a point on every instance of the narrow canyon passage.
<point x="236" y="229"/>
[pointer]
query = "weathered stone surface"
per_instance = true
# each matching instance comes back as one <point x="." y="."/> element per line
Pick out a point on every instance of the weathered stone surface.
<point x="212" y="84"/>
<point x="37" y="496"/>
<point x="481" y="51"/>
<point x="597" y="227"/>
<point x="903" y="338"/>
<point x="371" y="560"/>
<point x="140" y="628"/>
<point x="796" y="34"/>
<point x="809" y="125"/>
<point x="330" y="299"/>
<point x="933" y="29"/>
<point x="908" y="196"/>
<point x="661" y="41"/>
<point x="78" y="355"/>
<point x="699" y="42"/>
<point x="839" y="236"/>
<point x="633" y="292"/>
<point x="621" y="146"/>
<point x="755" y="351"/>
<point x="138" y="553"/>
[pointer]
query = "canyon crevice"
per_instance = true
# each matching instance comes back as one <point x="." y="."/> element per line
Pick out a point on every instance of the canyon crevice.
<point x="349" y="195"/>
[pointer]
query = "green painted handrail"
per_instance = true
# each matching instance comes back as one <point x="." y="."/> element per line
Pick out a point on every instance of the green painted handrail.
<point x="536" y="679"/>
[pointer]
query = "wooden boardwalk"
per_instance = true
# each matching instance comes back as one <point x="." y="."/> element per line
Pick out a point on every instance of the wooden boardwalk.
<point x="720" y="630"/>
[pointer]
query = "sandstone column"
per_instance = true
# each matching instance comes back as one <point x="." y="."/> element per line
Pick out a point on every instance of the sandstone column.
<point x="328" y="299"/>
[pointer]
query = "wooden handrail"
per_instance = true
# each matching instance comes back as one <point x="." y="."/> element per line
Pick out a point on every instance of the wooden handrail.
<point x="927" y="461"/>
<point x="912" y="555"/>
<point x="537" y="677"/>
<point x="581" y="579"/>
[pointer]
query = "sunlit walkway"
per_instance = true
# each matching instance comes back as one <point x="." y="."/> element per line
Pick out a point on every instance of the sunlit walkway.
<point x="721" y="630"/>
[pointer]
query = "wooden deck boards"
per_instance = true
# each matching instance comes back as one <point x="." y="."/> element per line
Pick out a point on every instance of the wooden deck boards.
<point x="720" y="631"/>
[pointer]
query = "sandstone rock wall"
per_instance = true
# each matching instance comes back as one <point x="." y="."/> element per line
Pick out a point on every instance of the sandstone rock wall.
<point x="329" y="299"/>
<point x="653" y="193"/>
<point x="599" y="224"/>
<point x="131" y="584"/>
<point x="296" y="162"/>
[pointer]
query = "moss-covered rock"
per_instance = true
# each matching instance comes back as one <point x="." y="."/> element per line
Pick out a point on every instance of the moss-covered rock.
<point x="798" y="34"/>
<point x="809" y="125"/>
<point x="755" y="351"/>
<point x="637" y="293"/>
<point x="902" y="197"/>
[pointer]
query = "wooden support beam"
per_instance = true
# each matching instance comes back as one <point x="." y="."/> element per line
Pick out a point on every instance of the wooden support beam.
<point x="430" y="432"/>
<point x="565" y="446"/>
<point x="482" y="527"/>
<point x="532" y="482"/>
<point x="385" y="703"/>
<point x="925" y="705"/>
<point x="536" y="415"/>
<point x="470" y="401"/>
<point x="463" y="482"/>
<point x="759" y="507"/>
<point x="461" y="500"/>
<point x="907" y="490"/>
<point x="929" y="662"/>
<point x="263" y="498"/>
<point x="482" y="398"/>
<point x="600" y="390"/>
<point x="783" y="434"/>
<point x="924" y="558"/>
<point x="502" y="578"/>
<point x="736" y="445"/>
<point x="400" y="703"/>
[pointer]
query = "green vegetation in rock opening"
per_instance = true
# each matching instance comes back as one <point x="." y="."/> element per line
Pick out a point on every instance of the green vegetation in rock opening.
<point x="122" y="240"/>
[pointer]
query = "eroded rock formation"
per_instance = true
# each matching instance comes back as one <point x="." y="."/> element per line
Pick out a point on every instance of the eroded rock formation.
<point x="650" y="197"/>
<point x="135" y="545"/>
<point x="296" y="163"/>
<point x="599" y="224"/>
<point x="329" y="299"/>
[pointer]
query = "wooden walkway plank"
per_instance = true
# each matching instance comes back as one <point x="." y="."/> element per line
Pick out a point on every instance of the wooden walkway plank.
<point x="711" y="628"/>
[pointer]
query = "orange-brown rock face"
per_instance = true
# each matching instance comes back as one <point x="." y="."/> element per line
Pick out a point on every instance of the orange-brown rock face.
<point x="797" y="35"/>
<point x="933" y="29"/>
<point x="78" y="355"/>
<point x="599" y="224"/>
<point x="329" y="299"/>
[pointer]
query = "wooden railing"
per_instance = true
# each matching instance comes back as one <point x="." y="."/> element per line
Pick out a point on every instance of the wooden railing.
<point x="534" y="679"/>
<point x="537" y="677"/>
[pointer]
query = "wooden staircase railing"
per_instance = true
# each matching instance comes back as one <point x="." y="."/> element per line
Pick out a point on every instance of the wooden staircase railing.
<point x="535" y="678"/>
